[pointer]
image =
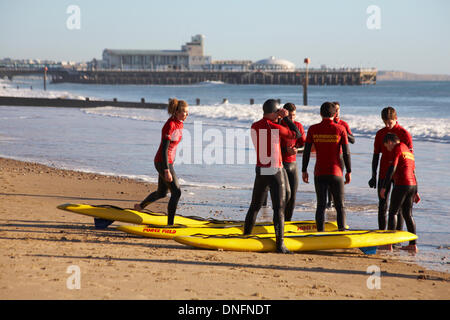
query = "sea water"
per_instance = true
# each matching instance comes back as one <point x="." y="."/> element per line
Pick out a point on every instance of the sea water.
<point x="216" y="171"/>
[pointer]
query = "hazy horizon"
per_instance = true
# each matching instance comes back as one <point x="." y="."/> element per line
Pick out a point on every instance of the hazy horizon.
<point x="408" y="36"/>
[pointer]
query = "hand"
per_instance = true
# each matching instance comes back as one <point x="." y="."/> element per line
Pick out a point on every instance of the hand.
<point x="417" y="198"/>
<point x="348" y="177"/>
<point x="382" y="193"/>
<point x="373" y="182"/>
<point x="283" y="112"/>
<point x="291" y="150"/>
<point x="305" y="177"/>
<point x="167" y="175"/>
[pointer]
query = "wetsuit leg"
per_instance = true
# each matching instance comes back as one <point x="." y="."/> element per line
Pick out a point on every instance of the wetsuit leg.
<point x="321" y="186"/>
<point x="407" y="210"/>
<point x="382" y="205"/>
<point x="398" y="196"/>
<point x="399" y="217"/>
<point x="278" y="187"/>
<point x="336" y="186"/>
<point x="259" y="195"/>
<point x="160" y="192"/>
<point x="175" y="194"/>
<point x="292" y="174"/>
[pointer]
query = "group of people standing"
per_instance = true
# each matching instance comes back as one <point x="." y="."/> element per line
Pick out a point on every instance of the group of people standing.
<point x="277" y="138"/>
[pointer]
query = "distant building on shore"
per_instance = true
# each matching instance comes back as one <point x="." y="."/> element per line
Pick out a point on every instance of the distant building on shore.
<point x="190" y="57"/>
<point x="273" y="64"/>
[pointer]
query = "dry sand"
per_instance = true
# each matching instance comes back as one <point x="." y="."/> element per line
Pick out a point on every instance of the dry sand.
<point x="39" y="244"/>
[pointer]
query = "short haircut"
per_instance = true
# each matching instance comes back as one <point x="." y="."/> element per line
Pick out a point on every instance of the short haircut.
<point x="290" y="106"/>
<point x="327" y="109"/>
<point x="391" y="137"/>
<point x="388" y="113"/>
<point x="336" y="103"/>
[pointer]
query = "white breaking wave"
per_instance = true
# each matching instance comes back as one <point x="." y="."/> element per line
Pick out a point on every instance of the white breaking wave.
<point x="242" y="115"/>
<point x="9" y="89"/>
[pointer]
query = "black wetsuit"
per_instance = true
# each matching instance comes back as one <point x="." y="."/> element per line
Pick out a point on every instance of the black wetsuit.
<point x="164" y="186"/>
<point x="402" y="197"/>
<point x="276" y="181"/>
<point x="291" y="170"/>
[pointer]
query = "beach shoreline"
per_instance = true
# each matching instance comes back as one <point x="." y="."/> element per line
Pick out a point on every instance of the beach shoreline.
<point x="40" y="244"/>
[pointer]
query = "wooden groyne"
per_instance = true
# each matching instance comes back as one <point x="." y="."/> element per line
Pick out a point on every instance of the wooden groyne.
<point x="315" y="77"/>
<point x="76" y="103"/>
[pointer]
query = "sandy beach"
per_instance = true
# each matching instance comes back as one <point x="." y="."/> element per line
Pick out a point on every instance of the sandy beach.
<point x="39" y="245"/>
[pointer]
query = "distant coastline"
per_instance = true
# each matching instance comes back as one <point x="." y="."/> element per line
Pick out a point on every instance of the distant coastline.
<point x="408" y="76"/>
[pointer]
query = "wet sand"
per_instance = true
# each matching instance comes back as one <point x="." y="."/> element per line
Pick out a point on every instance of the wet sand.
<point x="39" y="245"/>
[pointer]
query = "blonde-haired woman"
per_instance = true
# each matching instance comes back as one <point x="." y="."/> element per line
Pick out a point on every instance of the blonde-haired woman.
<point x="171" y="135"/>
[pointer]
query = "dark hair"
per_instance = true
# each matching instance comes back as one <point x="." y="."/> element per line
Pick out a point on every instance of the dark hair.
<point x="270" y="106"/>
<point x="389" y="113"/>
<point x="327" y="109"/>
<point x="290" y="106"/>
<point x="391" y="137"/>
<point x="336" y="103"/>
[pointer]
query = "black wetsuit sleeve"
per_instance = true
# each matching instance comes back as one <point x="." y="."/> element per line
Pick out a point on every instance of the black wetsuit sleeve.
<point x="306" y="154"/>
<point x="292" y="127"/>
<point x="346" y="157"/>
<point x="389" y="175"/>
<point x="375" y="158"/>
<point x="165" y="153"/>
<point x="350" y="138"/>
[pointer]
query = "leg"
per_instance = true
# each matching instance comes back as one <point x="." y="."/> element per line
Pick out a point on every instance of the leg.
<point x="397" y="199"/>
<point x="382" y="205"/>
<point x="321" y="186"/>
<point x="399" y="217"/>
<point x="278" y="196"/>
<point x="175" y="194"/>
<point x="337" y="190"/>
<point x="292" y="174"/>
<point x="407" y="212"/>
<point x="160" y="192"/>
<point x="258" y="196"/>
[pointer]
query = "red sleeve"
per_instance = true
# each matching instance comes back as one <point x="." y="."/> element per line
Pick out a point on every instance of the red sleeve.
<point x="377" y="144"/>
<point x="309" y="136"/>
<point x="168" y="130"/>
<point x="347" y="127"/>
<point x="396" y="155"/>
<point x="284" y="132"/>
<point x="408" y="141"/>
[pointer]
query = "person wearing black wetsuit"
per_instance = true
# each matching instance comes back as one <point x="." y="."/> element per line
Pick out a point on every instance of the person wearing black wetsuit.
<point x="404" y="192"/>
<point x="350" y="137"/>
<point x="270" y="173"/>
<point x="328" y="138"/>
<point x="167" y="179"/>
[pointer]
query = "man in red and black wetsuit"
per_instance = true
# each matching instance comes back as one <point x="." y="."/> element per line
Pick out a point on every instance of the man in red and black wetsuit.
<point x="289" y="155"/>
<point x="350" y="138"/>
<point x="404" y="193"/>
<point x="389" y="116"/>
<point x="328" y="138"/>
<point x="270" y="173"/>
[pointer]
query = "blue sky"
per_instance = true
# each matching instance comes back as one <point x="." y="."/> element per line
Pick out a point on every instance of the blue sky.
<point x="413" y="35"/>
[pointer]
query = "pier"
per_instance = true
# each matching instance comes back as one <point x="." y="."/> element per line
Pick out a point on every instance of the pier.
<point x="354" y="76"/>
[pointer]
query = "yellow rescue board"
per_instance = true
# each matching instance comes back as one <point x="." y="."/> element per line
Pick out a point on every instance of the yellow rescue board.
<point x="298" y="241"/>
<point x="132" y="216"/>
<point x="169" y="232"/>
